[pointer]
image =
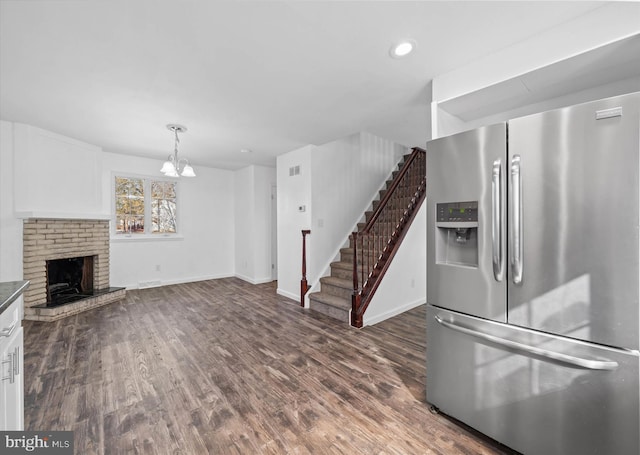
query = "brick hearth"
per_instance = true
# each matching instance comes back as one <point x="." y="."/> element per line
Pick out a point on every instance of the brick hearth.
<point x="45" y="239"/>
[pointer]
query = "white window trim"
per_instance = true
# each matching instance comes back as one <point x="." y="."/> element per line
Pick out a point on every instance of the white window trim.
<point x="147" y="236"/>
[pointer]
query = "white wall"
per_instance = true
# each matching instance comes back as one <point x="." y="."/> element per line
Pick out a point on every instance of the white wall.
<point x="293" y="192"/>
<point x="56" y="174"/>
<point x="205" y="248"/>
<point x="253" y="223"/>
<point x="46" y="175"/>
<point x="405" y="284"/>
<point x="10" y="227"/>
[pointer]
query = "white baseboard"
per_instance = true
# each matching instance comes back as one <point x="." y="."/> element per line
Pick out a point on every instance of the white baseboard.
<point x="292" y="296"/>
<point x="149" y="284"/>
<point x="391" y="313"/>
<point x="158" y="283"/>
<point x="254" y="281"/>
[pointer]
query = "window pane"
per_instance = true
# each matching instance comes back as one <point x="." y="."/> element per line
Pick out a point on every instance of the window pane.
<point x="170" y="190"/>
<point x="136" y="207"/>
<point x="169" y="220"/>
<point x="157" y="190"/>
<point x="137" y="188"/>
<point x="163" y="216"/>
<point x="163" y="207"/>
<point x="120" y="224"/>
<point x="120" y="205"/>
<point x="135" y="224"/>
<point x="129" y="224"/>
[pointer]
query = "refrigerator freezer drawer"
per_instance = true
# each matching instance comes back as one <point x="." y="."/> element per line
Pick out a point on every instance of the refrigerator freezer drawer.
<point x="534" y="392"/>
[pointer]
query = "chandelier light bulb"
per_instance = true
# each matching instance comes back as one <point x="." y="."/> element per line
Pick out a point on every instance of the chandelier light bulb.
<point x="167" y="167"/>
<point x="187" y="171"/>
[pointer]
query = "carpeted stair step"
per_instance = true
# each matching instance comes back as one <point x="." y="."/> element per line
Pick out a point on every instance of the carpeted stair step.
<point x="342" y="270"/>
<point x="346" y="255"/>
<point x="337" y="287"/>
<point x="330" y="305"/>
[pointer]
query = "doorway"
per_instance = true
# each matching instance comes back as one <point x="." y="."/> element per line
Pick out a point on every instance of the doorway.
<point x="274" y="232"/>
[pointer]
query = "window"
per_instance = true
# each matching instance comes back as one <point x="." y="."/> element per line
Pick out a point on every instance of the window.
<point x="163" y="207"/>
<point x="145" y="206"/>
<point x="129" y="205"/>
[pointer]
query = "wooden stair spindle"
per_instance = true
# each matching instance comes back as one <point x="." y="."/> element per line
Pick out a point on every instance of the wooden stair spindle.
<point x="304" y="286"/>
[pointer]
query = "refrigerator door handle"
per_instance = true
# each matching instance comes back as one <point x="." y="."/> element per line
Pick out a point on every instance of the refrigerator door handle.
<point x="496" y="220"/>
<point x="587" y="364"/>
<point x="515" y="226"/>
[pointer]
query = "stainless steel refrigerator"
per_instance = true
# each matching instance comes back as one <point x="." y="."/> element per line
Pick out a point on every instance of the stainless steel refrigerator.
<point x="533" y="279"/>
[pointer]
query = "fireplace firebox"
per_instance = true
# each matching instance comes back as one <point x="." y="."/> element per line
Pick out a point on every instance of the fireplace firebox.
<point x="69" y="279"/>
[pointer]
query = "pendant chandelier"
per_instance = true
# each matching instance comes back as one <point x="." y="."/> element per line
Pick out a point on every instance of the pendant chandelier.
<point x="175" y="167"/>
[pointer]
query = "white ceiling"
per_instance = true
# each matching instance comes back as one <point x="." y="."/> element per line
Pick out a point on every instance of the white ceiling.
<point x="266" y="76"/>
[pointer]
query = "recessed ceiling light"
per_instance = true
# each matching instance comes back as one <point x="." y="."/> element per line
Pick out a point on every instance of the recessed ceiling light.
<point x="245" y="151"/>
<point x="402" y="49"/>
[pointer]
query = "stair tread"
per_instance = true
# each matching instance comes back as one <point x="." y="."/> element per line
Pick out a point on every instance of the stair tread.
<point x="338" y="282"/>
<point x="342" y="265"/>
<point x="331" y="300"/>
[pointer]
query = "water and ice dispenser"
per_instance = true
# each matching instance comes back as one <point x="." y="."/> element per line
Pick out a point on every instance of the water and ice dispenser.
<point x="457" y="233"/>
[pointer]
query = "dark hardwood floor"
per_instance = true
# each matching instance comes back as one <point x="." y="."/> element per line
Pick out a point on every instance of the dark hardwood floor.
<point x="226" y="367"/>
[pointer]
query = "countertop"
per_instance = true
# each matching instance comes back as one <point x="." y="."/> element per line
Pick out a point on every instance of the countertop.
<point x="9" y="291"/>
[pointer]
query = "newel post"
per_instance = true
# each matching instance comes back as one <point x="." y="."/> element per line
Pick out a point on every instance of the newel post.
<point x="356" y="320"/>
<point x="304" y="286"/>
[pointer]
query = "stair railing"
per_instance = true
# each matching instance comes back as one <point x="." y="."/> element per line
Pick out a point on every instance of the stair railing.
<point x="377" y="242"/>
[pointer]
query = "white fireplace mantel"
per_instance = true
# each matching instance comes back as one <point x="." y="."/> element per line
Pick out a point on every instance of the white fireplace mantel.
<point x="62" y="215"/>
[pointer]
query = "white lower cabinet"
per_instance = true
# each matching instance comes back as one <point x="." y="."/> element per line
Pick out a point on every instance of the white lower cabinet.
<point x="11" y="381"/>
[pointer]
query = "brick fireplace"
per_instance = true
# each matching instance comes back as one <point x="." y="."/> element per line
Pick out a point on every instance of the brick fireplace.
<point x="48" y="240"/>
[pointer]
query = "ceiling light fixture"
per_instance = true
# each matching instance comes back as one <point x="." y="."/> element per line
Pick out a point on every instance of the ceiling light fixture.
<point x="175" y="167"/>
<point x="402" y="49"/>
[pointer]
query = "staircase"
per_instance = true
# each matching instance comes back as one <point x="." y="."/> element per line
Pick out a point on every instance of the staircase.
<point x="346" y="293"/>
